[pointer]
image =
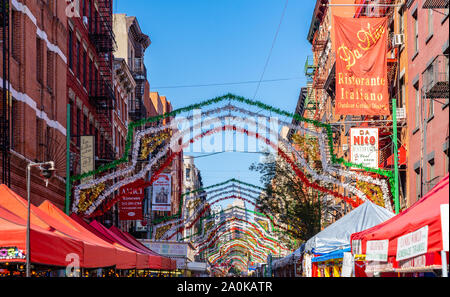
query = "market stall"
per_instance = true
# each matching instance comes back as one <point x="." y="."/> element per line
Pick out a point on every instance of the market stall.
<point x="94" y="254"/>
<point x="163" y="263"/>
<point x="409" y="243"/>
<point x="326" y="249"/>
<point x="289" y="266"/>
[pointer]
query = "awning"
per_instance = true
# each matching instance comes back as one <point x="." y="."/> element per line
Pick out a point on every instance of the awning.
<point x="168" y="263"/>
<point x="157" y="261"/>
<point x="92" y="250"/>
<point x="330" y="256"/>
<point x="337" y="235"/>
<point x="408" y="228"/>
<point x="109" y="256"/>
<point x="197" y="266"/>
<point x="46" y="247"/>
<point x="142" y="259"/>
<point x="126" y="258"/>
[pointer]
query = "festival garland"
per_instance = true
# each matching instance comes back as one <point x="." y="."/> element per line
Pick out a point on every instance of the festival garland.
<point x="180" y="204"/>
<point x="230" y="97"/>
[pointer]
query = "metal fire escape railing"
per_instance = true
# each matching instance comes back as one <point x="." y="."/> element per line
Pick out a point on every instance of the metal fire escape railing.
<point x="5" y="103"/>
<point x="102" y="93"/>
<point x="436" y="78"/>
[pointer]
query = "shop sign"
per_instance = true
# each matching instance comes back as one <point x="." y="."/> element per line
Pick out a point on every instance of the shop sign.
<point x="364" y="147"/>
<point x="377" y="250"/>
<point x="11" y="253"/>
<point x="444" y="223"/>
<point x="162" y="190"/>
<point x="416" y="262"/>
<point x="412" y="244"/>
<point x="130" y="205"/>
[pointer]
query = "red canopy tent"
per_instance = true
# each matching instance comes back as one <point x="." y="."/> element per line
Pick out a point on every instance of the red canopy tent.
<point x="46" y="247"/>
<point x="143" y="260"/>
<point x="95" y="254"/>
<point x="164" y="262"/>
<point x="423" y="215"/>
<point x="126" y="257"/>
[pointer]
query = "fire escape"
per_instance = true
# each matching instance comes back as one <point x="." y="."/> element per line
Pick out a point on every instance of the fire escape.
<point x="5" y="103"/>
<point x="137" y="108"/>
<point x="102" y="93"/>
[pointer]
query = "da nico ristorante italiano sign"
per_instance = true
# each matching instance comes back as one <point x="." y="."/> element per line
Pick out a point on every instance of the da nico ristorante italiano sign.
<point x="361" y="66"/>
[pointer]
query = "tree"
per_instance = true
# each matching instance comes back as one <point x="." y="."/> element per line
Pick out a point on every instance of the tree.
<point x="288" y="200"/>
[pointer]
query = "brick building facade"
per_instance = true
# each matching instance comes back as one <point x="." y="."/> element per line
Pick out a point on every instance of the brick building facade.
<point x="37" y="81"/>
<point x="428" y="111"/>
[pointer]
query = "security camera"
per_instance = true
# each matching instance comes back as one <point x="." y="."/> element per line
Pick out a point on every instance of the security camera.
<point x="47" y="171"/>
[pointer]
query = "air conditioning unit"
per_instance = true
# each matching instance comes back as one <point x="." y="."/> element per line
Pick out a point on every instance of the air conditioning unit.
<point x="398" y="40"/>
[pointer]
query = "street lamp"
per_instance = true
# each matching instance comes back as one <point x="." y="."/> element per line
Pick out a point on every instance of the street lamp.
<point x="47" y="169"/>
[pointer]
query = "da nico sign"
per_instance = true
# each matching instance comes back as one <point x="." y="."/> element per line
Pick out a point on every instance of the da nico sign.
<point x="364" y="146"/>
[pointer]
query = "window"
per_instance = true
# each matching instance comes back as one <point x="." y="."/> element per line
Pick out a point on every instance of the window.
<point x="417" y="105"/>
<point x="402" y="95"/>
<point x="401" y="25"/>
<point x="77" y="52"/>
<point x="416" y="32"/>
<point x="70" y="49"/>
<point x="15" y="35"/>
<point x="84" y="69"/>
<point x="418" y="184"/>
<point x="39" y="60"/>
<point x="50" y="71"/>
<point x="430" y="22"/>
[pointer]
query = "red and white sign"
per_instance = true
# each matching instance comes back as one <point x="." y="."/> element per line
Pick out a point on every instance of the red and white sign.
<point x="412" y="244"/>
<point x="377" y="250"/>
<point x="162" y="190"/>
<point x="364" y="146"/>
<point x="130" y="204"/>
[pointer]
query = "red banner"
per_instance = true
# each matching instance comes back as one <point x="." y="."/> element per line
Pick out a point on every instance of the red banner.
<point x="361" y="66"/>
<point x="130" y="204"/>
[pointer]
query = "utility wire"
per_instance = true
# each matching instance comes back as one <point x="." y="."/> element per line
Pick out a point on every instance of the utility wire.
<point x="271" y="49"/>
<point x="226" y="84"/>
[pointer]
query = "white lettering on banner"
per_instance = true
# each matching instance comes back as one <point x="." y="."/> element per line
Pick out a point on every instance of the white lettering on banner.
<point x="377" y="250"/>
<point x="412" y="244"/>
<point x="444" y="225"/>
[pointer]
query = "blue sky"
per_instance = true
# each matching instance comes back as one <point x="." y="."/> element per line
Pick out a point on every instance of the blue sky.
<point x="224" y="41"/>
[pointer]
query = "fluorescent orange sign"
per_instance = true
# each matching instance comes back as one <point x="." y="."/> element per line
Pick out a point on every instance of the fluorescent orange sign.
<point x="361" y="66"/>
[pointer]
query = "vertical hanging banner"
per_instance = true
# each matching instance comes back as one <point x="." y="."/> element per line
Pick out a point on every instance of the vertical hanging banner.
<point x="361" y="66"/>
<point x="162" y="190"/>
<point x="87" y="158"/>
<point x="130" y="204"/>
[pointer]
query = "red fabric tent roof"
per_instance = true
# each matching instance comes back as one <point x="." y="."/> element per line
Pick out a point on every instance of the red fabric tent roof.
<point x="142" y="259"/>
<point x="126" y="257"/>
<point x="172" y="263"/>
<point x="46" y="247"/>
<point x="94" y="255"/>
<point x="109" y="256"/>
<point x="425" y="212"/>
<point x="164" y="263"/>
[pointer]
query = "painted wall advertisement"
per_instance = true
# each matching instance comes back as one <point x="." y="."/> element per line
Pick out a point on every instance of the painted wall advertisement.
<point x="162" y="190"/>
<point x="361" y="66"/>
<point x="130" y="204"/>
<point x="364" y="147"/>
